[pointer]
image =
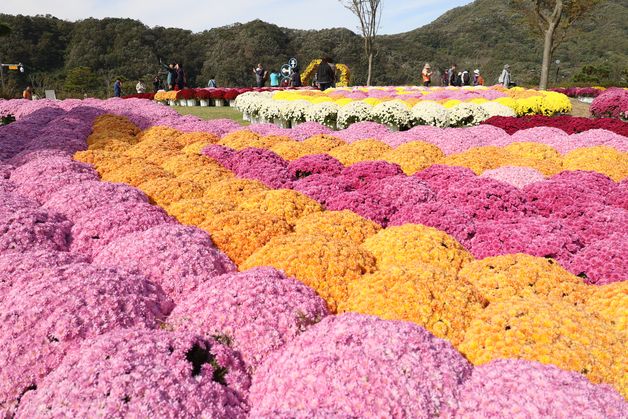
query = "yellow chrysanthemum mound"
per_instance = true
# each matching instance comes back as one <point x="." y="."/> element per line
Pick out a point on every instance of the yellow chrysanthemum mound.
<point x="501" y="277"/>
<point x="550" y="332"/>
<point x="110" y="144"/>
<point x="361" y="150"/>
<point x="327" y="266"/>
<point x="414" y="156"/>
<point x="602" y="159"/>
<point x="240" y="233"/>
<point x="115" y="125"/>
<point x="135" y="173"/>
<point x="338" y="225"/>
<point x="290" y="150"/>
<point x="610" y="303"/>
<point x="189" y="138"/>
<point x="547" y="167"/>
<point x="181" y="163"/>
<point x="414" y="243"/>
<point x="479" y="159"/>
<point x="104" y="161"/>
<point x="318" y="144"/>
<point x="419" y="293"/>
<point x="322" y="143"/>
<point x="207" y="175"/>
<point x="284" y="203"/>
<point x="155" y="151"/>
<point x="533" y="150"/>
<point x="195" y="211"/>
<point x="242" y="139"/>
<point x="165" y="192"/>
<point x="195" y="148"/>
<point x="234" y="190"/>
<point x="158" y="132"/>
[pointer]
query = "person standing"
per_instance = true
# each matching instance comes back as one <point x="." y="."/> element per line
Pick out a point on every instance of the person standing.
<point x="334" y="69"/>
<point x="426" y="75"/>
<point x="260" y="75"/>
<point x="117" y="88"/>
<point x="295" y="78"/>
<point x="172" y="75"/>
<point x="504" y="78"/>
<point x="212" y="82"/>
<point x="28" y="93"/>
<point x="156" y="83"/>
<point x="324" y="75"/>
<point x="274" y="78"/>
<point x="181" y="79"/>
<point x="140" y="87"/>
<point x="478" y="80"/>
<point x="465" y="78"/>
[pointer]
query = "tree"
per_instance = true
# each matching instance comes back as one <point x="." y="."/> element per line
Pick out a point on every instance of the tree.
<point x="553" y="18"/>
<point x="4" y="29"/>
<point x="81" y="80"/>
<point x="369" y="15"/>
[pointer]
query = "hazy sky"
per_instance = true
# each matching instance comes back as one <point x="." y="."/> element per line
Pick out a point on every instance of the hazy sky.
<point x="398" y="15"/>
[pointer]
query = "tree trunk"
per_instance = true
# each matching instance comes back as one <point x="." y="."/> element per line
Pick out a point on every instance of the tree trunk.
<point x="368" y="78"/>
<point x="547" y="56"/>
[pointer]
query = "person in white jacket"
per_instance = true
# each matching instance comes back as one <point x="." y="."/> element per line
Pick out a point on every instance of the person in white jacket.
<point x="140" y="87"/>
<point x="504" y="79"/>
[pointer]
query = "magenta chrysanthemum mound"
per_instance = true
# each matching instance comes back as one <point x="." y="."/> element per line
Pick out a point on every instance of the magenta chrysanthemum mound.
<point x="363" y="173"/>
<point x="361" y="366"/>
<point x="96" y="229"/>
<point x="23" y="229"/>
<point x="603" y="261"/>
<point x="15" y="264"/>
<point x="271" y="311"/>
<point x="176" y="257"/>
<point x="508" y="388"/>
<point x="439" y="177"/>
<point x="50" y="310"/>
<point x="5" y="170"/>
<point x="321" y="188"/>
<point x="516" y="176"/>
<point x="76" y="199"/>
<point x="261" y="164"/>
<point x="220" y="153"/>
<point x="38" y="178"/>
<point x="314" y="164"/>
<point x="619" y="197"/>
<point x="143" y="373"/>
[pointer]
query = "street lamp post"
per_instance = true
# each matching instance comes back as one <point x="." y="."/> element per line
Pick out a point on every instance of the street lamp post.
<point x="557" y="69"/>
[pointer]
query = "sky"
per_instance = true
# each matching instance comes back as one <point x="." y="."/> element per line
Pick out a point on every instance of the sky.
<point x="397" y="15"/>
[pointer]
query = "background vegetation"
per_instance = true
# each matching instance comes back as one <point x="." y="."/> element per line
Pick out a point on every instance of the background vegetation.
<point x="85" y="57"/>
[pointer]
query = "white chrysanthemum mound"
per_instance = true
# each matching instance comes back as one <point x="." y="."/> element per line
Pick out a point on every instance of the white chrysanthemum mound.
<point x="325" y="113"/>
<point x="467" y="115"/>
<point x="354" y="112"/>
<point x="497" y="109"/>
<point x="432" y="113"/>
<point x="393" y="112"/>
<point x="295" y="110"/>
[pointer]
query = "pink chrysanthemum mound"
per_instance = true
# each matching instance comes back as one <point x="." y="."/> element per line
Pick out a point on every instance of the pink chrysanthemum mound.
<point x="603" y="261"/>
<point x="76" y="199"/>
<point x="619" y="197"/>
<point x="271" y="311"/>
<point x="14" y="264"/>
<point x="322" y="188"/>
<point x="361" y="366"/>
<point x="23" y="229"/>
<point x="176" y="257"/>
<point x="509" y="388"/>
<point x="514" y="175"/>
<point x="439" y="177"/>
<point x="48" y="311"/>
<point x="363" y="173"/>
<point x="314" y="164"/>
<point x="96" y="229"/>
<point x="596" y="221"/>
<point x="261" y="164"/>
<point x="143" y="374"/>
<point x="5" y="170"/>
<point x="220" y="153"/>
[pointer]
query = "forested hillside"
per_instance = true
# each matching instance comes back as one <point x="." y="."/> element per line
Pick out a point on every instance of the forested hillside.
<point x="85" y="56"/>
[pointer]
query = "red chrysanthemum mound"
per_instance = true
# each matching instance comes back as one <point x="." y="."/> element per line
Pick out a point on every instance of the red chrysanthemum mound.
<point x="363" y="367"/>
<point x="176" y="257"/>
<point x="49" y="311"/>
<point x="142" y="374"/>
<point x="272" y="311"/>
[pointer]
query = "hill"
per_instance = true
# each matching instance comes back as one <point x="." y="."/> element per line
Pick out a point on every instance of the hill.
<point x="484" y="34"/>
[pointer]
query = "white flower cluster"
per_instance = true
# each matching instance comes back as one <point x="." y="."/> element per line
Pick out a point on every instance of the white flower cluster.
<point x="271" y="110"/>
<point x="466" y="115"/>
<point x="394" y="113"/>
<point x="428" y="112"/>
<point x="497" y="109"/>
<point x="353" y="112"/>
<point x="295" y="110"/>
<point x="325" y="113"/>
<point x="251" y="103"/>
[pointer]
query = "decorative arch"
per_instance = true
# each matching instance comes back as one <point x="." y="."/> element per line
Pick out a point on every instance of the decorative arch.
<point x="343" y="69"/>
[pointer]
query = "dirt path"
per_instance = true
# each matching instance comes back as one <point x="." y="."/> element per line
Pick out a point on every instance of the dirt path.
<point x="579" y="108"/>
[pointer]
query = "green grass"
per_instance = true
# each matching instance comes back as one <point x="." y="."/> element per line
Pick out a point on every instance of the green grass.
<point x="212" y="112"/>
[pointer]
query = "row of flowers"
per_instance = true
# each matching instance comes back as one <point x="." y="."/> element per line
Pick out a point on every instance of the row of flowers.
<point x="579" y="92"/>
<point x="613" y="103"/>
<point x="229" y="93"/>
<point x="280" y="354"/>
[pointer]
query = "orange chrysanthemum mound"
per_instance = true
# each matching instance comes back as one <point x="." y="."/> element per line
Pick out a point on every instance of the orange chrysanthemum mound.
<point x="610" y="303"/>
<point x="103" y="161"/>
<point x="479" y="159"/>
<point x="338" y="225"/>
<point x="155" y="151"/>
<point x="361" y="150"/>
<point x="195" y="148"/>
<point x="195" y="211"/>
<point x="327" y="266"/>
<point x="207" y="175"/>
<point x="501" y="277"/>
<point x="234" y="190"/>
<point x="181" y="163"/>
<point x="550" y="332"/>
<point x="322" y="143"/>
<point x="135" y="173"/>
<point x="286" y="204"/>
<point x="239" y="140"/>
<point x="158" y="132"/>
<point x="165" y="192"/>
<point x="602" y="159"/>
<point x="414" y="156"/>
<point x="115" y="125"/>
<point x="419" y="293"/>
<point x="240" y="233"/>
<point x="189" y="138"/>
<point x="413" y="243"/>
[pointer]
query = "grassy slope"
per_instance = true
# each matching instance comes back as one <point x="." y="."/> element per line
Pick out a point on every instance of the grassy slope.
<point x="212" y="112"/>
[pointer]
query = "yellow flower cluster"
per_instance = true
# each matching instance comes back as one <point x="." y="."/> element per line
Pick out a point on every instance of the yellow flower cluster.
<point x="413" y="243"/>
<point x="181" y="163"/>
<point x="318" y="144"/>
<point x="154" y="150"/>
<point x="361" y="150"/>
<point x="551" y="332"/>
<point x="610" y="302"/>
<point x="286" y="204"/>
<point x="190" y="138"/>
<point x="206" y="175"/>
<point x="414" y="156"/>
<point x="240" y="233"/>
<point x="327" y="266"/>
<point x="164" y="192"/>
<point x="234" y="190"/>
<point x="499" y="278"/>
<point x="419" y="293"/>
<point x="195" y="211"/>
<point x="337" y="225"/>
<point x="602" y="159"/>
<point x="162" y="96"/>
<point x="135" y="173"/>
<point x="241" y="139"/>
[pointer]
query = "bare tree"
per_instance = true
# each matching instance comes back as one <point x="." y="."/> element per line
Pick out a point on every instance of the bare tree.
<point x="553" y="18"/>
<point x="369" y="15"/>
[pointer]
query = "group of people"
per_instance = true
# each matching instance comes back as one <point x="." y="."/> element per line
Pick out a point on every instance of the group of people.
<point x="275" y="77"/>
<point x="453" y="77"/>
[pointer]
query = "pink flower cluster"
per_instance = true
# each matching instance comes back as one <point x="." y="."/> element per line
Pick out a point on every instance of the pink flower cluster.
<point x="613" y="103"/>
<point x="570" y="124"/>
<point x="578" y="91"/>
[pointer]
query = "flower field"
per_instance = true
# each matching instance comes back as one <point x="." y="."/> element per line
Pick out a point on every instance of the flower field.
<point x="153" y="264"/>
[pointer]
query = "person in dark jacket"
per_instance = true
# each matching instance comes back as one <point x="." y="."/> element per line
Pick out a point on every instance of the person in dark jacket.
<point x="117" y="88"/>
<point x="295" y="78"/>
<point x="181" y="80"/>
<point x="325" y="75"/>
<point x="172" y="75"/>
